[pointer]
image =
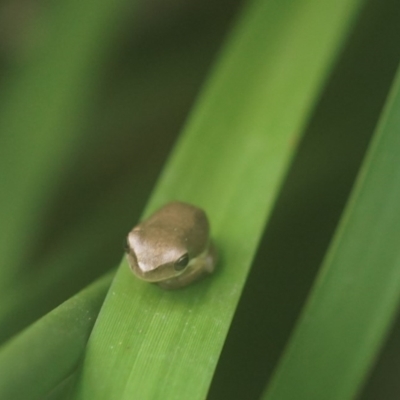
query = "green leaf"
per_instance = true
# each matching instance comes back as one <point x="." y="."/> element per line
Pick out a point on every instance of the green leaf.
<point x="63" y="390"/>
<point x="357" y="292"/>
<point x="46" y="353"/>
<point x="65" y="269"/>
<point x="231" y="160"/>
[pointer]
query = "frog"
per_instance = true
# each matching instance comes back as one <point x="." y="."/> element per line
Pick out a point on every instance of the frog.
<point x="172" y="248"/>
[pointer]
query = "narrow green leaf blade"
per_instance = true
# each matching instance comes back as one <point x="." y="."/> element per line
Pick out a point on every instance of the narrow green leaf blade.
<point x="357" y="292"/>
<point x="66" y="269"/>
<point x="148" y="343"/>
<point x="43" y="355"/>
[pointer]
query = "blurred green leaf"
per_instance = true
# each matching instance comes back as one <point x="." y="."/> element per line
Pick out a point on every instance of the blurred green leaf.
<point x="41" y="111"/>
<point x="65" y="268"/>
<point x="46" y="353"/>
<point x="63" y="391"/>
<point x="149" y="343"/>
<point x="310" y="205"/>
<point x="357" y="292"/>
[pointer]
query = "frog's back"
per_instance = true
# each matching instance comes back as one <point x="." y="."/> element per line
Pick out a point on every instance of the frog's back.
<point x="188" y="222"/>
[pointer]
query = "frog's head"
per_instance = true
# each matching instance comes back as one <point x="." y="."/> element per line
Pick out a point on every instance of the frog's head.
<point x="156" y="254"/>
<point x="168" y="243"/>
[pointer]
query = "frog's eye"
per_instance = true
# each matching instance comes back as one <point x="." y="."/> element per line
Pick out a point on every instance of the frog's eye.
<point x="182" y="262"/>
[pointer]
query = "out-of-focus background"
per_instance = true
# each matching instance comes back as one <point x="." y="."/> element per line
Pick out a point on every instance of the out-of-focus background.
<point x="134" y="91"/>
